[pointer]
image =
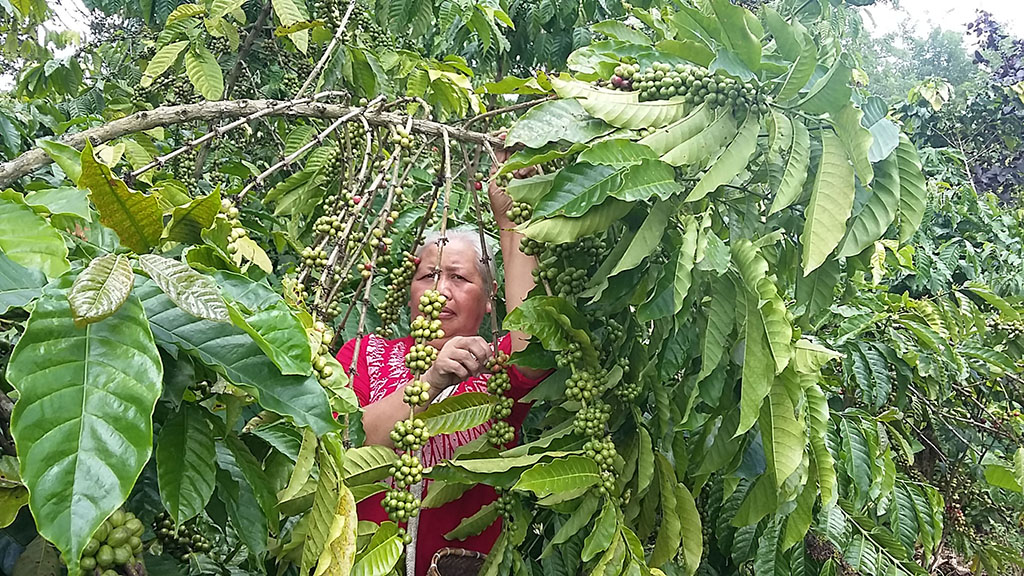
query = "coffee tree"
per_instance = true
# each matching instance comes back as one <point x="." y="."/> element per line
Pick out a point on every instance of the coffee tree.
<point x="747" y="373"/>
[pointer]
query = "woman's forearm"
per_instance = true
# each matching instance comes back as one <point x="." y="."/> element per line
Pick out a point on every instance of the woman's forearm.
<point x="519" y="280"/>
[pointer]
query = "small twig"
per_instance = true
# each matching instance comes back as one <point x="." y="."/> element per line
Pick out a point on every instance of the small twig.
<point x="315" y="74"/>
<point x="507" y="109"/>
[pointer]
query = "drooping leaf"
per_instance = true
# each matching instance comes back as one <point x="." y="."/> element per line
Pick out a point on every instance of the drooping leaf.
<point x="856" y="139"/>
<point x="692" y="533"/>
<point x="67" y="157"/>
<point x="188" y="221"/>
<point x="721" y="320"/>
<point x="457" y="413"/>
<point x="580" y="517"/>
<point x="818" y="420"/>
<point x="831" y="92"/>
<point x="161" y="61"/>
<point x="705" y="145"/>
<point x="605" y="529"/>
<point x="830" y="205"/>
<point x="670" y="533"/>
<point x="801" y="70"/>
<point x="232" y="352"/>
<point x="134" y="216"/>
<point x="913" y="195"/>
<point x="561" y="475"/>
<point x="191" y="291"/>
<point x="83" y="426"/>
<point x="737" y="34"/>
<point x="204" y="72"/>
<point x="382" y="553"/>
<point x="791" y="185"/>
<point x="758" y="367"/>
<point x="327" y="499"/>
<point x="28" y="240"/>
<point x="647" y="238"/>
<point x="18" y="285"/>
<point x="304" y="461"/>
<point x="556" y="120"/>
<point x="561" y="229"/>
<point x="731" y="162"/>
<point x="874" y="218"/>
<point x="101" y="288"/>
<point x="186" y="458"/>
<point x="634" y="114"/>
<point x="617" y="152"/>
<point x="781" y="427"/>
<point x="474" y="524"/>
<point x="671" y="136"/>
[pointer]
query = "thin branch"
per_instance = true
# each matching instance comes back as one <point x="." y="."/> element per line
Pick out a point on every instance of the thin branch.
<point x="315" y="74"/>
<point x="507" y="109"/>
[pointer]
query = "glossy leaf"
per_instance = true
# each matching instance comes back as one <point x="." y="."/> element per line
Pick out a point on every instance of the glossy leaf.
<point x="561" y="475"/>
<point x="647" y="238"/>
<point x="856" y="139"/>
<point x="134" y="216"/>
<point x="635" y="114"/>
<point x="188" y="221"/>
<point x="18" y="285"/>
<point x="82" y="426"/>
<point x="382" y="553"/>
<point x="367" y="464"/>
<point x="913" y="195"/>
<point x="818" y="422"/>
<point x="191" y="291"/>
<point x="233" y="353"/>
<point x="458" y="413"/>
<point x="577" y="188"/>
<point x="64" y="200"/>
<point x="474" y="524"/>
<point x="605" y="529"/>
<point x="164" y="58"/>
<point x="830" y="205"/>
<point x="874" y="218"/>
<point x="556" y="120"/>
<point x="561" y="229"/>
<point x="692" y="533"/>
<point x="731" y="162"/>
<point x="204" y="72"/>
<point x="101" y="288"/>
<point x="617" y="152"/>
<point x="185" y="462"/>
<point x="831" y="92"/>
<point x="29" y="240"/>
<point x="649" y="178"/>
<point x="791" y="185"/>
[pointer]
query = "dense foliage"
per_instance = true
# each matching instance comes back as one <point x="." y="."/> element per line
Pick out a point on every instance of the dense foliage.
<point x="777" y="346"/>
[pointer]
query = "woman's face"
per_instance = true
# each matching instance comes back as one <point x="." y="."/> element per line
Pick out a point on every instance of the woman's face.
<point x="460" y="282"/>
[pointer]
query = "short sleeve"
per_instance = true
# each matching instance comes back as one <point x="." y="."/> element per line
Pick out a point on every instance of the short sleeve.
<point x="361" y="382"/>
<point x="521" y="385"/>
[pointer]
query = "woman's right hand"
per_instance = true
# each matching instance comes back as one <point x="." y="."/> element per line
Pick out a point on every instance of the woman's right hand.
<point x="461" y="358"/>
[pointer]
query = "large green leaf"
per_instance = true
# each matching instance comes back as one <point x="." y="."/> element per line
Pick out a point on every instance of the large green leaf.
<point x="559" y="476"/>
<point x="913" y="195"/>
<point x="721" y="313"/>
<point x="382" y="553"/>
<point x="856" y="139"/>
<point x="791" y="185"/>
<point x="83" y="423"/>
<point x="781" y="427"/>
<point x="753" y="269"/>
<point x="801" y="70"/>
<point x="188" y="221"/>
<point x="617" y="152"/>
<point x="692" y="534"/>
<point x="232" y="352"/>
<point x="28" y="239"/>
<point x="736" y="32"/>
<point x="67" y="157"/>
<point x="671" y="136"/>
<point x="705" y="145"/>
<point x="580" y="518"/>
<point x="670" y="533"/>
<point x="191" y="291"/>
<point x="831" y="92"/>
<point x="830" y="205"/>
<point x="649" y="178"/>
<point x="874" y="217"/>
<point x="65" y="200"/>
<point x="325" y="502"/>
<point x="458" y="413"/>
<point x="101" y="288"/>
<point x="289" y="12"/>
<point x="134" y="216"/>
<point x="204" y="72"/>
<point x="554" y="121"/>
<point x="367" y="464"/>
<point x="605" y="529"/>
<point x="635" y="114"/>
<point x="683" y="274"/>
<point x="799" y="520"/>
<point x="554" y="322"/>
<point x="758" y="373"/>
<point x="577" y="188"/>
<point x="818" y="422"/>
<point x="474" y="524"/>
<point x="161" y="61"/>
<point x="731" y="162"/>
<point x="647" y="238"/>
<point x="562" y="229"/>
<point x="18" y="285"/>
<point x="186" y="458"/>
<point x="243" y="510"/>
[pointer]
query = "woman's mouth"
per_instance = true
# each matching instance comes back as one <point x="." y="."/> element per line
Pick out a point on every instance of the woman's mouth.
<point x="446" y="312"/>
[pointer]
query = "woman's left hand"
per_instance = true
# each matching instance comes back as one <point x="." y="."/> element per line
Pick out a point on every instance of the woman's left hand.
<point x="501" y="202"/>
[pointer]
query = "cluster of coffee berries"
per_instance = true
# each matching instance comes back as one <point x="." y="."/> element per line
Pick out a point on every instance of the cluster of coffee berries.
<point x="694" y="84"/>
<point x="1014" y="329"/>
<point x="410" y="434"/>
<point x="313" y="257"/>
<point x="572" y="353"/>
<point x="230" y="211"/>
<point x="956" y="520"/>
<point x="407" y="471"/>
<point x="219" y="45"/>
<point x="420" y="357"/>
<point x="426" y="330"/>
<point x="501" y="432"/>
<point x="397" y="294"/>
<point x="184" y="164"/>
<point x="505" y="502"/>
<point x="417" y="393"/>
<point x="431" y="303"/>
<point x="116" y="543"/>
<point x="564" y="267"/>
<point x="602" y="452"/>
<point x="180" y="541"/>
<point x="179" y="91"/>
<point x="322" y="355"/>
<point x="520" y="212"/>
<point x="585" y="385"/>
<point x="401" y="505"/>
<point x="400" y="137"/>
<point x="590" y="421"/>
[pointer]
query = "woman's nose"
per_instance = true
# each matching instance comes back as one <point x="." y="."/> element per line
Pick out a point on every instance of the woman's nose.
<point x="443" y="287"/>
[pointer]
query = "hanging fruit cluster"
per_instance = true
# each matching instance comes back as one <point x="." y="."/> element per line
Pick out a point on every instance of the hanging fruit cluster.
<point x="179" y="541"/>
<point x="397" y="294"/>
<point x="501" y="431"/>
<point x="116" y="545"/>
<point x="563" y="267"/>
<point x="184" y="164"/>
<point x="229" y="211"/>
<point x="695" y="84"/>
<point x="1014" y="329"/>
<point x="322" y="355"/>
<point x="411" y="434"/>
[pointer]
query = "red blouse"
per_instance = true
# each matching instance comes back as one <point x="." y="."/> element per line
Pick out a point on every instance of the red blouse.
<point x="381" y="370"/>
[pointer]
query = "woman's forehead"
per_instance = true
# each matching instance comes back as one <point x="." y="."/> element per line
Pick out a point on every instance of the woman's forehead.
<point x="457" y="254"/>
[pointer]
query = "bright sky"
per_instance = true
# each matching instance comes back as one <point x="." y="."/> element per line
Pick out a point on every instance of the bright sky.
<point x="947" y="14"/>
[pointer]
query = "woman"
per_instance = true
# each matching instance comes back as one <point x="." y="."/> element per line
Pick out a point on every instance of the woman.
<point x="381" y="374"/>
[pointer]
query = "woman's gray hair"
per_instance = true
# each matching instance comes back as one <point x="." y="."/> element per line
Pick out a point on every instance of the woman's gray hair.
<point x="469" y="236"/>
